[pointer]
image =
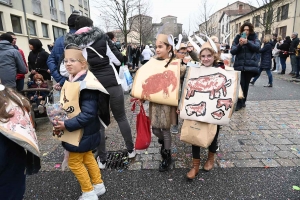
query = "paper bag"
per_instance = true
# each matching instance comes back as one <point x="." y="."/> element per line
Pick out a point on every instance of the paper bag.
<point x="198" y="133"/>
<point x="156" y="83"/>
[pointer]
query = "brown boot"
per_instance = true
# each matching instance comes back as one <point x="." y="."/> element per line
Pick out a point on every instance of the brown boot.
<point x="194" y="171"/>
<point x="210" y="162"/>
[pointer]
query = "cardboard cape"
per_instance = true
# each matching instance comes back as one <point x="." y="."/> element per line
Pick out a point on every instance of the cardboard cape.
<point x="157" y="83"/>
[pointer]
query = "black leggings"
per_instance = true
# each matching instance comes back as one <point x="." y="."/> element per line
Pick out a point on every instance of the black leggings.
<point x="212" y="148"/>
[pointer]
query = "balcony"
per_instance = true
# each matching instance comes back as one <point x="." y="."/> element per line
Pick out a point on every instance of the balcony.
<point x="6" y="2"/>
<point x="36" y="5"/>
<point x="80" y="2"/>
<point x="86" y="6"/>
<point x="53" y="12"/>
<point x="62" y="17"/>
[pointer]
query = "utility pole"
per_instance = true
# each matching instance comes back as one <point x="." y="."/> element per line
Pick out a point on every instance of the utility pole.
<point x="124" y="21"/>
<point x="140" y="22"/>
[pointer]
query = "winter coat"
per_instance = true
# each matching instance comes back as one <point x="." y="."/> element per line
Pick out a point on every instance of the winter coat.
<point x="11" y="64"/>
<point x="246" y="55"/>
<point x="55" y="58"/>
<point x="147" y="53"/>
<point x="274" y="42"/>
<point x="87" y="120"/>
<point x="266" y="56"/>
<point x="293" y="46"/>
<point x="284" y="49"/>
<point x="21" y="76"/>
<point x="12" y="168"/>
<point x="103" y="68"/>
<point x="37" y="60"/>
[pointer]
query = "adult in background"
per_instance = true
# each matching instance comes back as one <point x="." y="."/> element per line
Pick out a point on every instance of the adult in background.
<point x="37" y="60"/>
<point x="136" y="53"/>
<point x="266" y="60"/>
<point x="284" y="53"/>
<point x="129" y="53"/>
<point x="147" y="54"/>
<point x="297" y="76"/>
<point x="113" y="39"/>
<point x="245" y="50"/>
<point x="274" y="42"/>
<point x="20" y="77"/>
<point x="56" y="56"/>
<point x="11" y="62"/>
<point x="293" y="46"/>
<point x="276" y="52"/>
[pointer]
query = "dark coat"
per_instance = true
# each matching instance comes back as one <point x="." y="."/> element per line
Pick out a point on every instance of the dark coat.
<point x="266" y="56"/>
<point x="293" y="46"/>
<point x="87" y="120"/>
<point x="12" y="167"/>
<point x="284" y="49"/>
<point x="246" y="58"/>
<point x="37" y="60"/>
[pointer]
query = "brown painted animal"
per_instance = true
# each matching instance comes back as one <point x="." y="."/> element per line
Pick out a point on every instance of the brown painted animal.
<point x="225" y="102"/>
<point x="159" y="82"/>
<point x="198" y="109"/>
<point x="219" y="114"/>
<point x="211" y="84"/>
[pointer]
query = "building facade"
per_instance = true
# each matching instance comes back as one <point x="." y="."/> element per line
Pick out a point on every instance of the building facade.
<point x="141" y="28"/>
<point x="43" y="19"/>
<point x="284" y="21"/>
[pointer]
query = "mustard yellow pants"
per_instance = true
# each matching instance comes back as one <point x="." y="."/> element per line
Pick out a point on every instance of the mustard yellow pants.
<point x="85" y="168"/>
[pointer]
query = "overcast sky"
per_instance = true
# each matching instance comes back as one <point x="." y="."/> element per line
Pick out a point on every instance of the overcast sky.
<point x="185" y="10"/>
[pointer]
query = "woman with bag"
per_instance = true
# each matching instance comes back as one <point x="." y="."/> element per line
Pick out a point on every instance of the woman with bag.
<point x="276" y="52"/>
<point x="284" y="53"/>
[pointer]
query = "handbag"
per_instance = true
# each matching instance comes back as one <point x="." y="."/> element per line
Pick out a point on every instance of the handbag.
<point x="200" y="134"/>
<point x="143" y="136"/>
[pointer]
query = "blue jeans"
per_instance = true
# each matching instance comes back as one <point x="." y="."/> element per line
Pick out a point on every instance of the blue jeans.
<point x="20" y="84"/>
<point x="293" y="63"/>
<point x="283" y="63"/>
<point x="268" y="73"/>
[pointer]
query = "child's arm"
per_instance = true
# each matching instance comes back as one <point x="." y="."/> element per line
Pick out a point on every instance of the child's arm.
<point x="89" y="111"/>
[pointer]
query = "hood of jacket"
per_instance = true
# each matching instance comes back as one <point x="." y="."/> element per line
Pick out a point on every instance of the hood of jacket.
<point x="83" y="39"/>
<point x="147" y="47"/>
<point x="5" y="45"/>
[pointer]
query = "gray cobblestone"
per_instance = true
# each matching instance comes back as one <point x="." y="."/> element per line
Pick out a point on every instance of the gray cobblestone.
<point x="153" y="150"/>
<point x="297" y="162"/>
<point x="135" y="166"/>
<point x="286" y="162"/>
<point x="243" y="155"/>
<point x="295" y="141"/>
<point x="248" y="163"/>
<point x="266" y="147"/>
<point x="279" y="141"/>
<point x="285" y="154"/>
<point x="145" y="157"/>
<point x="270" y="163"/>
<point x="259" y="154"/>
<point x="150" y="164"/>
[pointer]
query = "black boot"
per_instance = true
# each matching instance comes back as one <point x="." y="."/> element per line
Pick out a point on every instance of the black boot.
<point x="167" y="160"/>
<point x="162" y="145"/>
<point x="282" y="72"/>
<point x="239" y="105"/>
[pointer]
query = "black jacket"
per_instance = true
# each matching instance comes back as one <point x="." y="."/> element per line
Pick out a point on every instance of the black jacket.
<point x="284" y="49"/>
<point x="266" y="56"/>
<point x="105" y="69"/>
<point x="37" y="60"/>
<point x="246" y="56"/>
<point x="293" y="46"/>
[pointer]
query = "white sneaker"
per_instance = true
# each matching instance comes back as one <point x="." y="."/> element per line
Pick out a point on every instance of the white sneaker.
<point x="99" y="189"/>
<point x="100" y="164"/>
<point x="174" y="129"/>
<point x="41" y="109"/>
<point x="275" y="71"/>
<point x="89" y="196"/>
<point x="132" y="154"/>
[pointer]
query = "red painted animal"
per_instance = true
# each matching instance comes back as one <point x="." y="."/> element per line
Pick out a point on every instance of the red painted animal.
<point x="199" y="109"/>
<point x="211" y="84"/>
<point x="159" y="82"/>
<point x="219" y="114"/>
<point x="224" y="102"/>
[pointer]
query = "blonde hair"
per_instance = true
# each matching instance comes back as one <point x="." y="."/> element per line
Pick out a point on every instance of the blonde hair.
<point x="267" y="38"/>
<point x="216" y="55"/>
<point x="279" y="38"/>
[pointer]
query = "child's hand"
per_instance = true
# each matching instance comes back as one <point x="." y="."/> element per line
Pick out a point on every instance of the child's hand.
<point x="178" y="111"/>
<point x="60" y="125"/>
<point x="57" y="87"/>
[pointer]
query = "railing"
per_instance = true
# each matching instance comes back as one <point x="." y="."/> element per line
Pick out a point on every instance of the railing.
<point x="80" y="2"/>
<point x="6" y="1"/>
<point x="36" y="4"/>
<point x="85" y="4"/>
<point x="62" y="17"/>
<point x="53" y="12"/>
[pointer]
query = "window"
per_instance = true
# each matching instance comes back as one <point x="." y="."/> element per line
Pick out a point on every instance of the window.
<point x="257" y="21"/>
<point x="61" y="5"/>
<point x="45" y="30"/>
<point x="57" y="32"/>
<point x="1" y="25"/>
<point x="283" y="12"/>
<point x="31" y="26"/>
<point x="72" y="8"/>
<point x="81" y="13"/>
<point x="86" y="15"/>
<point x="16" y="24"/>
<point x="36" y="5"/>
<point x="282" y="31"/>
<point x="248" y="20"/>
<point x="52" y="3"/>
<point x="222" y="28"/>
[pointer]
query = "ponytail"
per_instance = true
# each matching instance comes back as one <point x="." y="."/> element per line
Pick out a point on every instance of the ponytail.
<point x="172" y="55"/>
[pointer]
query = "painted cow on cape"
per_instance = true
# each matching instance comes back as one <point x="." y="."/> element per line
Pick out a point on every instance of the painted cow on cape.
<point x="224" y="102"/>
<point x="211" y="84"/>
<point x="199" y="109"/>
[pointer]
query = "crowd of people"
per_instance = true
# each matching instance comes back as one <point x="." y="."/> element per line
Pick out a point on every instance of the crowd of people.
<point x="88" y="50"/>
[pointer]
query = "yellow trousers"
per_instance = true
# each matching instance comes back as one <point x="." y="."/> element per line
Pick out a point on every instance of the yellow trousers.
<point x="85" y="168"/>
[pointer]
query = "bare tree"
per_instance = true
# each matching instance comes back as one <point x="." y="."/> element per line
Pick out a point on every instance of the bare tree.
<point x="204" y="22"/>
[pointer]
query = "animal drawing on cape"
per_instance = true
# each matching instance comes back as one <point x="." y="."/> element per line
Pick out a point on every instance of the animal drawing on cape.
<point x="159" y="82"/>
<point x="198" y="109"/>
<point x="224" y="102"/>
<point x="211" y="84"/>
<point x="219" y="114"/>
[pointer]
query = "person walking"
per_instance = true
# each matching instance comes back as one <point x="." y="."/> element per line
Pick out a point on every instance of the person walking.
<point x="11" y="62"/>
<point x="274" y="42"/>
<point x="293" y="47"/>
<point x="284" y="53"/>
<point x="266" y="61"/>
<point x="276" y="52"/>
<point x="147" y="54"/>
<point x="37" y="60"/>
<point x="245" y="48"/>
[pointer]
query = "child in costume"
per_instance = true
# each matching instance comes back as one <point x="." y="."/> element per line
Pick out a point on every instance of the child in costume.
<point x="81" y="160"/>
<point x="38" y="97"/>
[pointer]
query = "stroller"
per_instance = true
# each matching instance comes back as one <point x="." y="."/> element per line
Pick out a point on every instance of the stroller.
<point x="34" y="107"/>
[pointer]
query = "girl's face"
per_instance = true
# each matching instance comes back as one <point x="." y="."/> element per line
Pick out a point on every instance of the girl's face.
<point x="162" y="51"/>
<point x="207" y="58"/>
<point x="30" y="47"/>
<point x="38" y="81"/>
<point x="181" y="53"/>
<point x="74" y="65"/>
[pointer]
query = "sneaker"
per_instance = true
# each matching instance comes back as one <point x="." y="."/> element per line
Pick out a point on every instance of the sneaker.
<point x="174" y="129"/>
<point x="41" y="109"/>
<point x="251" y="82"/>
<point x="131" y="154"/>
<point x="269" y="85"/>
<point x="275" y="71"/>
<point x="89" y="196"/>
<point x="99" y="189"/>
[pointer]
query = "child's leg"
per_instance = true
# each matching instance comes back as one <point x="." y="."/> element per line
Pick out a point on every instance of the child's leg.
<point x="77" y="167"/>
<point x="92" y="166"/>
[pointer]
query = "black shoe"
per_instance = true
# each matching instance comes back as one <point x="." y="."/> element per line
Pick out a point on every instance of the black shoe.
<point x="239" y="105"/>
<point x="244" y="105"/>
<point x="273" y="69"/>
<point x="162" y="145"/>
<point x="251" y="82"/>
<point x="282" y="72"/>
<point x="269" y="85"/>
<point x="291" y="73"/>
<point x="167" y="160"/>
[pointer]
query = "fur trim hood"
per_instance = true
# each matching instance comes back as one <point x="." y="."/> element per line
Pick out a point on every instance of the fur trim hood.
<point x="83" y="39"/>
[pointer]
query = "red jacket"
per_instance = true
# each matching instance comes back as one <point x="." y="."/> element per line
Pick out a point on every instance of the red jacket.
<point x="22" y="76"/>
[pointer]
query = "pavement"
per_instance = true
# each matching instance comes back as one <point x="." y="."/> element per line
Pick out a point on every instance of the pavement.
<point x="258" y="157"/>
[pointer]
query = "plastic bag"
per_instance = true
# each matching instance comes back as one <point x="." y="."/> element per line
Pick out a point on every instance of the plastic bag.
<point x="126" y="80"/>
<point x="56" y="113"/>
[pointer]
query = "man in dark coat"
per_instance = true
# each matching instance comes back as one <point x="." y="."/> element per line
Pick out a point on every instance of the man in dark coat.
<point x="246" y="49"/>
<point x="293" y="46"/>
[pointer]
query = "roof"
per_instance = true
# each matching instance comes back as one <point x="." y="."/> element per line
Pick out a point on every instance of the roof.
<point x="235" y="13"/>
<point x="141" y="15"/>
<point x="169" y="16"/>
<point x="232" y="4"/>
